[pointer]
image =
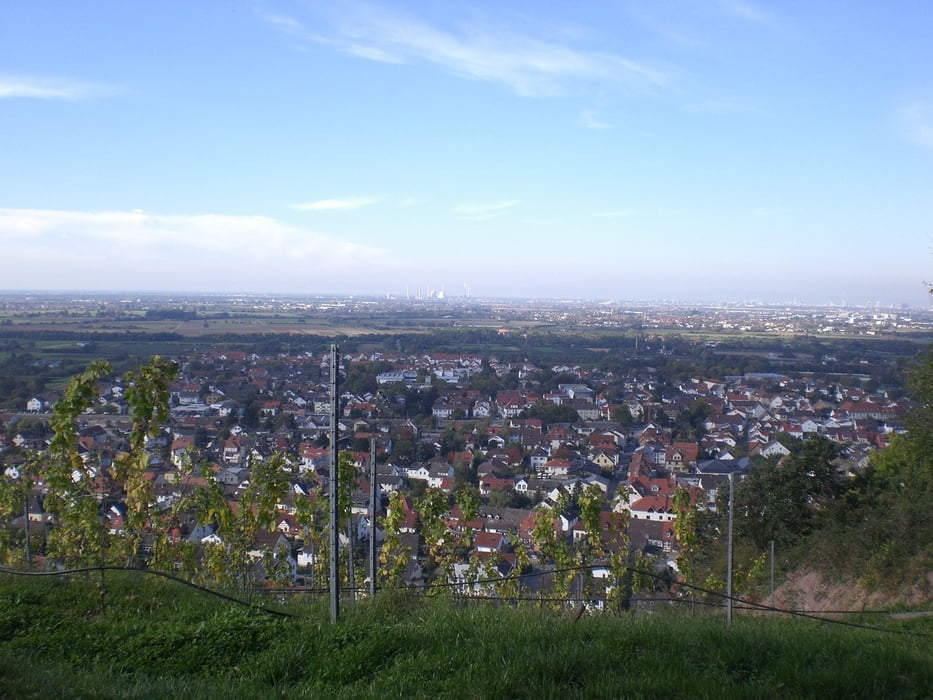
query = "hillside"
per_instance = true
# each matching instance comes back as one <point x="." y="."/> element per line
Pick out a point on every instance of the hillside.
<point x="807" y="589"/>
<point x="151" y="638"/>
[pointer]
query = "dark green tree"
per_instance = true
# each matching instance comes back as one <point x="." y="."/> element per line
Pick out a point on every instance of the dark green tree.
<point x="550" y="413"/>
<point x="785" y="500"/>
<point x="622" y="414"/>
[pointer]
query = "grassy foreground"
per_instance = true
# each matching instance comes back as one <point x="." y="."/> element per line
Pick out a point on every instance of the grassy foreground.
<point x="158" y="639"/>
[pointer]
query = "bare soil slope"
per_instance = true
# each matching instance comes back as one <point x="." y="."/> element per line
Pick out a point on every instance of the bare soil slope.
<point x="812" y="591"/>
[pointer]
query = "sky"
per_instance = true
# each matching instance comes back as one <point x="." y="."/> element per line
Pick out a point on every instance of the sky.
<point x="696" y="150"/>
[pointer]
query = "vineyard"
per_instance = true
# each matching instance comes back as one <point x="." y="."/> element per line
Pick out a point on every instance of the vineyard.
<point x="123" y="594"/>
<point x="149" y="637"/>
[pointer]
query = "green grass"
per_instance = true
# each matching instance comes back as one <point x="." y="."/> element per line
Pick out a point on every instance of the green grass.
<point x="157" y="639"/>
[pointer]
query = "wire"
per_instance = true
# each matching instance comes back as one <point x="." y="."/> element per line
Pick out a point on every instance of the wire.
<point x="151" y="572"/>
<point x="425" y="590"/>
<point x="747" y="605"/>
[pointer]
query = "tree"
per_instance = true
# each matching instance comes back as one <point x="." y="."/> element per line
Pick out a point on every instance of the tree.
<point x="486" y="381"/>
<point x="393" y="558"/>
<point x="590" y="502"/>
<point x="622" y="414"/>
<point x="451" y="441"/>
<point x="201" y="437"/>
<point x="438" y="541"/>
<point x="311" y="513"/>
<point x="15" y="486"/>
<point x="685" y="530"/>
<point x="361" y="376"/>
<point x="554" y="550"/>
<point x="885" y="522"/>
<point x="404" y="450"/>
<point x="347" y="481"/>
<point x="510" y="587"/>
<point x="228" y="562"/>
<point x="783" y="500"/>
<point x="620" y="583"/>
<point x="147" y="394"/>
<point x="509" y="498"/>
<point x="920" y="419"/>
<point x="468" y="500"/>
<point x="550" y="413"/>
<point x="73" y="498"/>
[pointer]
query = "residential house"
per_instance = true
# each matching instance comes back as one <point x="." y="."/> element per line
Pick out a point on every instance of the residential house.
<point x="653" y="508"/>
<point x="557" y="468"/>
<point x="489" y="484"/>
<point x="488" y="542"/>
<point x="774" y="449"/>
<point x="681" y="456"/>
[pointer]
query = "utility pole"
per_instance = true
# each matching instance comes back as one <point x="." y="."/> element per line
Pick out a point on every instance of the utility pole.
<point x="372" y="517"/>
<point x="334" y="514"/>
<point x="729" y="556"/>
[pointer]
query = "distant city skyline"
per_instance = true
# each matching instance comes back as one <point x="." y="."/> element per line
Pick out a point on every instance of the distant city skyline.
<point x="714" y="151"/>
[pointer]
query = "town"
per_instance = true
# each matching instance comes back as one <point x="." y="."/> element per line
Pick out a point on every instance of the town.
<point x="500" y="436"/>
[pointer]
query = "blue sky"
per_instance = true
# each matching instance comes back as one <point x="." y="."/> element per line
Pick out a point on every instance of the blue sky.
<point x="706" y="150"/>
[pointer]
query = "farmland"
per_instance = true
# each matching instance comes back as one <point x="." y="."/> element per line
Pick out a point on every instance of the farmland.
<point x="51" y="336"/>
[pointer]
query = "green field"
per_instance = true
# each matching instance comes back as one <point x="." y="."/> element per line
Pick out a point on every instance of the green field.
<point x="153" y="638"/>
<point x="46" y="341"/>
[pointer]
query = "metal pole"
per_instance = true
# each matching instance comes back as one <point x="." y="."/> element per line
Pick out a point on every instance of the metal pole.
<point x="26" y="526"/>
<point x="334" y="536"/>
<point x="351" y="556"/>
<point x="351" y="548"/>
<point x="372" y="517"/>
<point x="772" y="574"/>
<point x="729" y="557"/>
<point x="103" y="537"/>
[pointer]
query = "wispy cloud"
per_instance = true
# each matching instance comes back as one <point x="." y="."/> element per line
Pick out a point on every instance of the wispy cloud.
<point x="45" y="88"/>
<point x="916" y="119"/>
<point x="343" y="204"/>
<point x="484" y="212"/>
<point x="153" y="251"/>
<point x="286" y="24"/>
<point x="528" y="65"/>
<point x="591" y="119"/>
<point x="745" y="9"/>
